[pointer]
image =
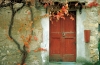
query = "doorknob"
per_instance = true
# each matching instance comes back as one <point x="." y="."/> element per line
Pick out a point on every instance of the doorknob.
<point x="63" y="34"/>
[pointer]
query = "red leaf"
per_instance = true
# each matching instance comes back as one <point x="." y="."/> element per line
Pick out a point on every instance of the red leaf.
<point x="28" y="50"/>
<point x="26" y="44"/>
<point x="20" y="29"/>
<point x="29" y="13"/>
<point x="35" y="38"/>
<point x="94" y="3"/>
<point x="63" y="9"/>
<point x="40" y="49"/>
<point x="72" y="18"/>
<point x="45" y="5"/>
<point x="63" y="18"/>
<point x="57" y="16"/>
<point x="28" y="39"/>
<point x="18" y="64"/>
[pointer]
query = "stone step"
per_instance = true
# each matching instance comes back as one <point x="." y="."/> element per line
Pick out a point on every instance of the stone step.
<point x="62" y="63"/>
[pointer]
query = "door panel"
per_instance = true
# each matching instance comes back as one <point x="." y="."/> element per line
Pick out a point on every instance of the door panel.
<point x="69" y="30"/>
<point x="62" y="40"/>
<point x="55" y="40"/>
<point x="55" y="46"/>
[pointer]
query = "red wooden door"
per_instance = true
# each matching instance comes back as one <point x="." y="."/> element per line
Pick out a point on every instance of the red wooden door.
<point x="62" y="40"/>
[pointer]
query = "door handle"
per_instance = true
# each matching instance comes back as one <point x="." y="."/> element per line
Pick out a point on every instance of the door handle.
<point x="63" y="34"/>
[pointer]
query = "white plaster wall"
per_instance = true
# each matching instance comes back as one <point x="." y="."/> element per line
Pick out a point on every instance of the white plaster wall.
<point x="45" y="43"/>
<point x="80" y="35"/>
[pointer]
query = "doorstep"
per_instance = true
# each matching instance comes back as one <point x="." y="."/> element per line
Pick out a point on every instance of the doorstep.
<point x="62" y="63"/>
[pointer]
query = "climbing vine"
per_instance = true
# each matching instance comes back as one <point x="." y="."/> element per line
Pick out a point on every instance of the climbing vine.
<point x="26" y="42"/>
<point x="24" y="52"/>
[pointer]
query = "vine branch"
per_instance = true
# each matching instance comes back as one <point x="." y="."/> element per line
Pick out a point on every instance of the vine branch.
<point x="24" y="52"/>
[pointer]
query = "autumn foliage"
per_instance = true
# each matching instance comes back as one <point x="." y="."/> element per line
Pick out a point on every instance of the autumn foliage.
<point x="40" y="49"/>
<point x="93" y="4"/>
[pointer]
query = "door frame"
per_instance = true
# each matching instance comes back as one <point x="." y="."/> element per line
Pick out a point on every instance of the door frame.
<point x="80" y="44"/>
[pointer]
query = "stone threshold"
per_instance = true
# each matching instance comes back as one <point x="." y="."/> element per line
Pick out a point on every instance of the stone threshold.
<point x="62" y="63"/>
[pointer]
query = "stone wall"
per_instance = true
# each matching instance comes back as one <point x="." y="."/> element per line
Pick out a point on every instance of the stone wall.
<point x="91" y="23"/>
<point x="9" y="53"/>
<point x="99" y="18"/>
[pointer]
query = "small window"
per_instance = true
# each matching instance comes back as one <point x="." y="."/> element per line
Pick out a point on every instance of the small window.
<point x="99" y="28"/>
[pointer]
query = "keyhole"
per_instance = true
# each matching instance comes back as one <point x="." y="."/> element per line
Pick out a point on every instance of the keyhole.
<point x="63" y="34"/>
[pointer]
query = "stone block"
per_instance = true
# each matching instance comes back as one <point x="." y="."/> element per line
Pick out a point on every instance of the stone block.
<point x="92" y="38"/>
<point x="95" y="25"/>
<point x="4" y="58"/>
<point x="93" y="45"/>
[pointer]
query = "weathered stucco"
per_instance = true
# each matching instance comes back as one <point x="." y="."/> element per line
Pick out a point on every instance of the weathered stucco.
<point x="9" y="53"/>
